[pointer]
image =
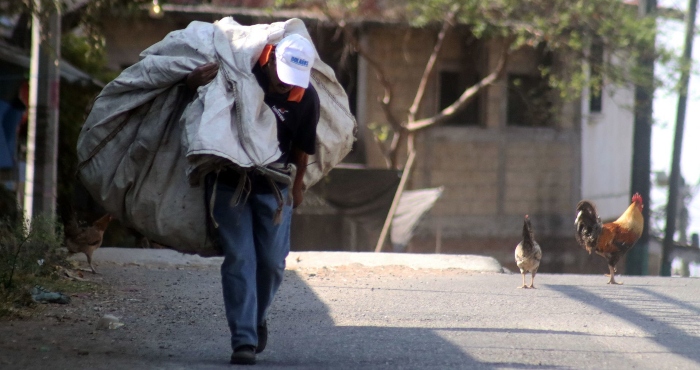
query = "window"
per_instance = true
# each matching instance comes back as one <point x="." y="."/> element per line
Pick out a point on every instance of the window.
<point x="452" y="85"/>
<point x="529" y="101"/>
<point x="596" y="99"/>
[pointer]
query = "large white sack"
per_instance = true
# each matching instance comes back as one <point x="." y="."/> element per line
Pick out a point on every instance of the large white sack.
<point x="136" y="152"/>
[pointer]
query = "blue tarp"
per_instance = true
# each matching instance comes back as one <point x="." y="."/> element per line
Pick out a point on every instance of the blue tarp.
<point x="10" y="117"/>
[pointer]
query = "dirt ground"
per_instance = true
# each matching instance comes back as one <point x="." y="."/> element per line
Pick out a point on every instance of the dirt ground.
<point x="152" y="304"/>
<point x="355" y="317"/>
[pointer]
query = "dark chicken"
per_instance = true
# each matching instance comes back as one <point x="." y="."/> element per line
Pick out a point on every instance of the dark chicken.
<point x="611" y="240"/>
<point x="528" y="254"/>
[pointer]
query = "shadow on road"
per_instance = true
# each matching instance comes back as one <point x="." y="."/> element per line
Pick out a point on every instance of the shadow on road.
<point x="661" y="312"/>
<point x="303" y="334"/>
<point x="521" y="331"/>
<point x="174" y="319"/>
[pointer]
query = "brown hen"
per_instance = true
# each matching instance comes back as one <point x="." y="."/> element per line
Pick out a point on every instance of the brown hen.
<point x="86" y="239"/>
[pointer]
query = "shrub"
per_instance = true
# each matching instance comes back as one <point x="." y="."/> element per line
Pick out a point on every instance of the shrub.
<point x="28" y="256"/>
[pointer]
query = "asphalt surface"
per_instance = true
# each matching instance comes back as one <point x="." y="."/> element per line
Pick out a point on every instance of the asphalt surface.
<point x="365" y="312"/>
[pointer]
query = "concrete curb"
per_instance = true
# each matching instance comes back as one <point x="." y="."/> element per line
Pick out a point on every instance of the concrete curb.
<point x="296" y="260"/>
<point x="411" y="260"/>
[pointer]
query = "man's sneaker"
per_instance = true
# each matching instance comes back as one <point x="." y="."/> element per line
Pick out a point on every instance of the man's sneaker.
<point x="243" y="355"/>
<point x="262" y="337"/>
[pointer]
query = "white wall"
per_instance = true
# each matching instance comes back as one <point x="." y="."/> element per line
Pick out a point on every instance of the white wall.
<point x="606" y="151"/>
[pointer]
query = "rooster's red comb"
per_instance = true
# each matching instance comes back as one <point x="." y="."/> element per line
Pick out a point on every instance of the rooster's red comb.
<point x="637" y="198"/>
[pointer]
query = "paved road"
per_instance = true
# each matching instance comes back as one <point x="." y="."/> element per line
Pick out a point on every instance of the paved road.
<point x="360" y="317"/>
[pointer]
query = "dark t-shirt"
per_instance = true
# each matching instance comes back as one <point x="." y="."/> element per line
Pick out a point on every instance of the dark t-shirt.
<point x="296" y="127"/>
<point x="296" y="121"/>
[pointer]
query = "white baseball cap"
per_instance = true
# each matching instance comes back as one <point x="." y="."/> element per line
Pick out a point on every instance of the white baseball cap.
<point x="295" y="56"/>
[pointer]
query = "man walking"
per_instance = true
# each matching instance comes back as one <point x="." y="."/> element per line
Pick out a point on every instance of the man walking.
<point x="224" y="156"/>
<point x="252" y="208"/>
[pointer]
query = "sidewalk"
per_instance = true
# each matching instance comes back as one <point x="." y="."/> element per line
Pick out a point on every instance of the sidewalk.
<point x="295" y="260"/>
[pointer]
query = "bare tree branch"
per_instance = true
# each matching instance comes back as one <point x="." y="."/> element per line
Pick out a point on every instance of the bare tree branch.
<point x="466" y="96"/>
<point x="430" y="66"/>
<point x="385" y="149"/>
<point x="388" y="150"/>
<point x="386" y="101"/>
<point x="394" y="152"/>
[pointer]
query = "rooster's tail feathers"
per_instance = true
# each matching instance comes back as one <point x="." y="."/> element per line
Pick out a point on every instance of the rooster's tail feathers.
<point x="528" y="237"/>
<point x="588" y="224"/>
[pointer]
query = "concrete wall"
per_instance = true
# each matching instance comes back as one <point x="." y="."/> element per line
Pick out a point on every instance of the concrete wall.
<point x="606" y="151"/>
<point x="490" y="170"/>
<point x="493" y="173"/>
<point x="127" y="38"/>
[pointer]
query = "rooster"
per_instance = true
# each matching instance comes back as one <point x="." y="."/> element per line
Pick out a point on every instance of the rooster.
<point x="528" y="254"/>
<point x="85" y="239"/>
<point x="611" y="240"/>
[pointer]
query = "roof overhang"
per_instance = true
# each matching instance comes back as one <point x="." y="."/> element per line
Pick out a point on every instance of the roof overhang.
<point x="14" y="55"/>
<point x="269" y="14"/>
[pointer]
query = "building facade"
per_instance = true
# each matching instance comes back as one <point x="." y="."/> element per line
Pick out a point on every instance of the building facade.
<point x="515" y="150"/>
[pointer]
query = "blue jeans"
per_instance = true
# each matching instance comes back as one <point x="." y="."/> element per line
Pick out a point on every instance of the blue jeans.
<point x="254" y="257"/>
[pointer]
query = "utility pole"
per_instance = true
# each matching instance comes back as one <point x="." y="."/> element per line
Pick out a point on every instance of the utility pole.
<point x="637" y="261"/>
<point x="42" y="132"/>
<point x="674" y="181"/>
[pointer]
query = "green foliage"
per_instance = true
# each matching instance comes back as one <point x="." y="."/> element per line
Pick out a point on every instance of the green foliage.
<point x="28" y="255"/>
<point x="96" y="10"/>
<point x="27" y="252"/>
<point x="79" y="52"/>
<point x="564" y="27"/>
<point x="88" y="13"/>
<point x="381" y="132"/>
<point x="74" y="105"/>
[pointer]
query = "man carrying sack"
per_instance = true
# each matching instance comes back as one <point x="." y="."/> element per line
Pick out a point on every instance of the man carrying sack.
<point x="251" y="210"/>
<point x="226" y="125"/>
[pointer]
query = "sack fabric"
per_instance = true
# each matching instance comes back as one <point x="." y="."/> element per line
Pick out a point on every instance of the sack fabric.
<point x="144" y="148"/>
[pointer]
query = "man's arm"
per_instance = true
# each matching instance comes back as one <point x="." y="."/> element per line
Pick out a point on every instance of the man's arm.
<point x="300" y="160"/>
<point x="201" y="75"/>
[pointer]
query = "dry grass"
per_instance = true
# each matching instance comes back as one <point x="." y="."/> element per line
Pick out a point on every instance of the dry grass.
<point x="29" y="257"/>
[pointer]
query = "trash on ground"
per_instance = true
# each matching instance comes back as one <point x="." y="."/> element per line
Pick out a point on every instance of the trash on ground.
<point x="41" y="295"/>
<point x="109" y="322"/>
<point x="74" y="275"/>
